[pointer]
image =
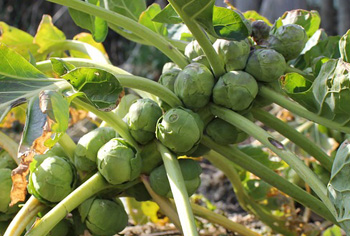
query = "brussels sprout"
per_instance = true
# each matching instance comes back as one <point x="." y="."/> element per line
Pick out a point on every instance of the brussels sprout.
<point x="202" y="59"/>
<point x="193" y="50"/>
<point x="266" y="65"/>
<point x="289" y="40"/>
<point x="190" y="170"/>
<point x="260" y="31"/>
<point x="168" y="66"/>
<point x="88" y="146"/>
<point x="6" y="161"/>
<point x="194" y="85"/>
<point x="180" y="130"/>
<point x="52" y="180"/>
<point x="5" y="189"/>
<point x="142" y="119"/>
<point x="118" y="161"/>
<point x="200" y="151"/>
<point x="224" y="133"/>
<point x="56" y="150"/>
<point x="235" y="90"/>
<point x="234" y="54"/>
<point x="103" y="217"/>
<point x="139" y="192"/>
<point x="151" y="158"/>
<point x="167" y="79"/>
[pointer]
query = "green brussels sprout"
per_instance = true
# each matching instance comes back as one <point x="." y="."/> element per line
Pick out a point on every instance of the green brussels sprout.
<point x="167" y="79"/>
<point x="52" y="180"/>
<point x="56" y="150"/>
<point x="151" y="157"/>
<point x="200" y="151"/>
<point x="190" y="170"/>
<point x="86" y="151"/>
<point x="194" y="85"/>
<point x="180" y="130"/>
<point x="202" y="59"/>
<point x="193" y="50"/>
<point x="289" y="40"/>
<point x="142" y="119"/>
<point x="5" y="189"/>
<point x="103" y="217"/>
<point x="6" y="160"/>
<point x="266" y="65"/>
<point x="235" y="90"/>
<point x="139" y="192"/>
<point x="234" y="54"/>
<point x="260" y="31"/>
<point x="224" y="133"/>
<point x="118" y="161"/>
<point x="168" y="66"/>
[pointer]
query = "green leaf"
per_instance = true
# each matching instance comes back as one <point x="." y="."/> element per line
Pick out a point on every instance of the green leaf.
<point x="338" y="187"/>
<point x="18" y="40"/>
<point x="97" y="26"/>
<point x="168" y="16"/>
<point x="61" y="67"/>
<point x="257" y="189"/>
<point x="329" y="94"/>
<point x="48" y="35"/>
<point x="344" y="46"/>
<point x="309" y="20"/>
<point x="253" y="16"/>
<point x="129" y="8"/>
<point x="19" y="80"/>
<point x="100" y="87"/>
<point x="146" y="20"/>
<point x="220" y="22"/>
<point x="328" y="48"/>
<point x="332" y="231"/>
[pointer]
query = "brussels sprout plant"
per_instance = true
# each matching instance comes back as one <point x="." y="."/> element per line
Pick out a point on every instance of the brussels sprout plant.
<point x="213" y="102"/>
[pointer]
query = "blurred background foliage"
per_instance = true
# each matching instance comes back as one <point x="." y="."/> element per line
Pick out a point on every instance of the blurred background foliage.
<point x="147" y="61"/>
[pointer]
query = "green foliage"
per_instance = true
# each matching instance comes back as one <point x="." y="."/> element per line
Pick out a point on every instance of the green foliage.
<point x="5" y="188"/>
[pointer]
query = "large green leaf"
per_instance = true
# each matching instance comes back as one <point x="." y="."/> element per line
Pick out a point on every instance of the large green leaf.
<point x="338" y="186"/>
<point x="344" y="46"/>
<point x="220" y="22"/>
<point x="99" y="87"/>
<point x="128" y="8"/>
<point x="329" y="94"/>
<point x="47" y="34"/>
<point x="19" y="80"/>
<point x="309" y="20"/>
<point x="147" y="16"/>
<point x="261" y="156"/>
<point x="168" y="15"/>
<point x="97" y="26"/>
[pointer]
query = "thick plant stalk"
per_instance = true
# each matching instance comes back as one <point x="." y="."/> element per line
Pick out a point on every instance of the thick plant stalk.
<point x="294" y="136"/>
<point x="143" y="32"/>
<point x="222" y="220"/>
<point x="270" y="177"/>
<point x="164" y="204"/>
<point x="203" y="40"/>
<point x="299" y="110"/>
<point x="9" y="145"/>
<point x="18" y="224"/>
<point x="90" y="187"/>
<point x="179" y="191"/>
<point x="290" y="158"/>
<point x="226" y="166"/>
<point x="125" y="78"/>
<point x="68" y="146"/>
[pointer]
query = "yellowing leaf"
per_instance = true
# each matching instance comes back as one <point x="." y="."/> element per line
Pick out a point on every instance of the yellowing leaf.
<point x="151" y="209"/>
<point x="87" y="38"/>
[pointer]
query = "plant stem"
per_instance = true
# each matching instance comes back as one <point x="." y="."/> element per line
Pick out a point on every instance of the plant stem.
<point x="300" y="110"/>
<point x="227" y="167"/>
<point x="111" y="119"/>
<point x="215" y="62"/>
<point x="91" y="51"/>
<point x="270" y="177"/>
<point x="293" y="135"/>
<point x="290" y="158"/>
<point x="10" y="146"/>
<point x="222" y="220"/>
<point x="164" y="204"/>
<point x="90" y="187"/>
<point x="29" y="210"/>
<point x="179" y="191"/>
<point x="141" y="31"/>
<point x="126" y="79"/>
<point x="68" y="146"/>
